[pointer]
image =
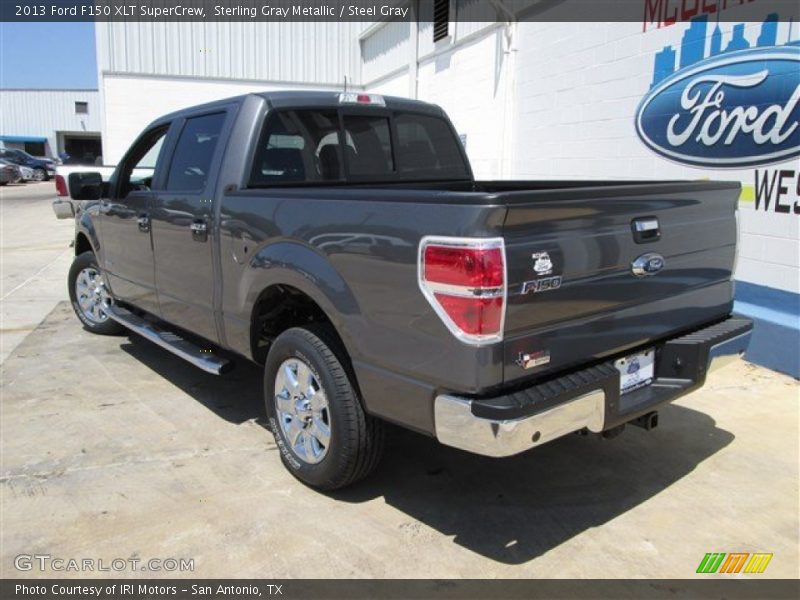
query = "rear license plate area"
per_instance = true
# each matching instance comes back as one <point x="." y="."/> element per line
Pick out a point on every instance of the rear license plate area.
<point x="636" y="371"/>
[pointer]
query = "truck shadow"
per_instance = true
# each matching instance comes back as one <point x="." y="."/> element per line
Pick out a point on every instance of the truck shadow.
<point x="510" y="510"/>
<point x="515" y="509"/>
<point x="236" y="396"/>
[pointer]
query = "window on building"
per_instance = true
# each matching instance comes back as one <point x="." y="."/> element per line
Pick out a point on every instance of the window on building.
<point x="441" y="19"/>
<point x="81" y="108"/>
<point x="298" y="146"/>
<point x="194" y="152"/>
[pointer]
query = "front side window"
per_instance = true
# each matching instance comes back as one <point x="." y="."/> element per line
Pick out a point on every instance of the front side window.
<point x="191" y="162"/>
<point x="139" y="166"/>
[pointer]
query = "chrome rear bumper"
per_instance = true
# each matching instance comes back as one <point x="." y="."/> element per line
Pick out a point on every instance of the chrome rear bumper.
<point x="595" y="409"/>
<point x="456" y="425"/>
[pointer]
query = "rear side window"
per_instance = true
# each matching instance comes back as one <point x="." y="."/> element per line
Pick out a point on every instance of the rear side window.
<point x="298" y="146"/>
<point x="191" y="162"/>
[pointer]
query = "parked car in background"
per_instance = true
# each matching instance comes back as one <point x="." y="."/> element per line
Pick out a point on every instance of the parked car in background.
<point x="9" y="173"/>
<point x="27" y="173"/>
<point x="43" y="168"/>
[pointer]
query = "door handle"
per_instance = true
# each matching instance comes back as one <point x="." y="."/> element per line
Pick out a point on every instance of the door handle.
<point x="199" y="231"/>
<point x="144" y="223"/>
<point x="645" y="229"/>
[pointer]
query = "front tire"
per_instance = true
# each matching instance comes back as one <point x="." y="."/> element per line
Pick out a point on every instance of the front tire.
<point x="325" y="438"/>
<point x="89" y="296"/>
<point x="39" y="174"/>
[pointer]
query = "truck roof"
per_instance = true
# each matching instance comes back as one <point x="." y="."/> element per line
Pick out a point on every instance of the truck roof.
<point x="309" y="99"/>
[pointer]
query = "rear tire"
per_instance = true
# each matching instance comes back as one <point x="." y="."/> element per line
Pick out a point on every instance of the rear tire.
<point x="325" y="438"/>
<point x="88" y="296"/>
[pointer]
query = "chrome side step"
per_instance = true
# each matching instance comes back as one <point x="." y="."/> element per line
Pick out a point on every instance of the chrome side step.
<point x="201" y="358"/>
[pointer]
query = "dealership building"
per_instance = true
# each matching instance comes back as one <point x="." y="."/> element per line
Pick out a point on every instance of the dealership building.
<point x="52" y="122"/>
<point x="531" y="100"/>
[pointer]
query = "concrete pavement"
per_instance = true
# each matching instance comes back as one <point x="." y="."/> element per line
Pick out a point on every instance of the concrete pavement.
<point x="35" y="256"/>
<point x="113" y="448"/>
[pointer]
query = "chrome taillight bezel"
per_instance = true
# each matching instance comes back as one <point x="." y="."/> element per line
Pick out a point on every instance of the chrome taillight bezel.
<point x="430" y="288"/>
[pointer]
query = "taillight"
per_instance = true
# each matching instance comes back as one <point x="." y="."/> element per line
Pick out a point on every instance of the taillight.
<point x="464" y="279"/>
<point x="61" y="186"/>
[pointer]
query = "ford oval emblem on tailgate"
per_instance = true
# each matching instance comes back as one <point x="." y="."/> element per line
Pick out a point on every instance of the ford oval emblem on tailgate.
<point x="647" y="264"/>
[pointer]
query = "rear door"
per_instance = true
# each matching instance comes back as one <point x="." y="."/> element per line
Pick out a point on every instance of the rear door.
<point x="126" y="247"/>
<point x="183" y="220"/>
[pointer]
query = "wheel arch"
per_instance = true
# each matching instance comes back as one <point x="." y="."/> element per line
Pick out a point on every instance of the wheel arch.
<point x="86" y="238"/>
<point x="311" y="288"/>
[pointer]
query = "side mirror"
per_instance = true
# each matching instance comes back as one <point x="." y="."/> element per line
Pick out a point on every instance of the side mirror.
<point x="86" y="186"/>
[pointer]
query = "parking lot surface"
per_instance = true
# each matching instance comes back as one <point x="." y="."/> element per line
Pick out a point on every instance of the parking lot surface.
<point x="114" y="448"/>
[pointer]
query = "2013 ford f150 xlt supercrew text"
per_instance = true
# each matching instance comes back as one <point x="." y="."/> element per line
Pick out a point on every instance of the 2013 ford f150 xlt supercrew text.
<point x="341" y="241"/>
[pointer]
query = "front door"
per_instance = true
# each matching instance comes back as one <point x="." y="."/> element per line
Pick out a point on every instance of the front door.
<point x="126" y="249"/>
<point x="182" y="222"/>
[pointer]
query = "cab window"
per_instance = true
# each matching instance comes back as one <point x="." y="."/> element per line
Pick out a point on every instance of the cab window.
<point x="139" y="166"/>
<point x="296" y="147"/>
<point x="191" y="161"/>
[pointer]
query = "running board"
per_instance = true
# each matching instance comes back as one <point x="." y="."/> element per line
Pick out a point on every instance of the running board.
<point x="201" y="358"/>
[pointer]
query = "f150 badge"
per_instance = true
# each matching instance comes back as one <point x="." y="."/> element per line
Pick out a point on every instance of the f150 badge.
<point x="542" y="265"/>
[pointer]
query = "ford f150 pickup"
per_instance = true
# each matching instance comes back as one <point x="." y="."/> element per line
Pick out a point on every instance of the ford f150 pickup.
<point x="341" y="241"/>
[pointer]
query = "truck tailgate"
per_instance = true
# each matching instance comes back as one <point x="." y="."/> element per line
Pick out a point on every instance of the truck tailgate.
<point x="684" y="235"/>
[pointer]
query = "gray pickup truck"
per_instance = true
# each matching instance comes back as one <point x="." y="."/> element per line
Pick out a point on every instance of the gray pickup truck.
<point x="341" y="241"/>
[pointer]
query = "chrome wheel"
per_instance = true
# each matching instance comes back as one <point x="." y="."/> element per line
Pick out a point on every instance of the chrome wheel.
<point x="302" y="409"/>
<point x="92" y="296"/>
<point x="38" y="175"/>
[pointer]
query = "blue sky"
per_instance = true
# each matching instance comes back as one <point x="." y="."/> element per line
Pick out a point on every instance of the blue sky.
<point x="47" y="55"/>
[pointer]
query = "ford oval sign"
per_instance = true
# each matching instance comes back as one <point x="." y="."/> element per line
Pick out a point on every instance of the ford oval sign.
<point x="647" y="264"/>
<point x="737" y="109"/>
